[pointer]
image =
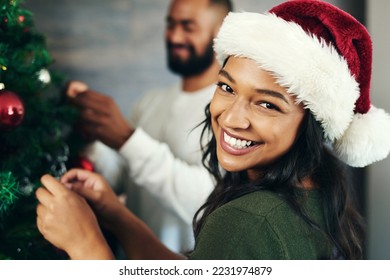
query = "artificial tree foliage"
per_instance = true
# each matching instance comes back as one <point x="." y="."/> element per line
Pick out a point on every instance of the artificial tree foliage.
<point x="36" y="131"/>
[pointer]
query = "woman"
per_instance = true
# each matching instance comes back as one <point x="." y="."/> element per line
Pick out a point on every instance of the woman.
<point x="293" y="83"/>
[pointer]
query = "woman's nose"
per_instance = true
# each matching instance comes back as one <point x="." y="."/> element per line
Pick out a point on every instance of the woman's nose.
<point x="236" y="116"/>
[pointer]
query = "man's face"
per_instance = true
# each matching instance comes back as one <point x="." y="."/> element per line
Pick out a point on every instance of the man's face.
<point x="189" y="37"/>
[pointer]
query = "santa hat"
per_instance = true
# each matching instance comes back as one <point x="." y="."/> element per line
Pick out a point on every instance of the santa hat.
<point x="323" y="56"/>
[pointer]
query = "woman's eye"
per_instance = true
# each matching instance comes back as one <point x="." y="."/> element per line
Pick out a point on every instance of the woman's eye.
<point x="268" y="106"/>
<point x="225" y="87"/>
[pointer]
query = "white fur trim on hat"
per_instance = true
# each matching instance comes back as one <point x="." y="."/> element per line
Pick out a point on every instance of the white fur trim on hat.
<point x="322" y="83"/>
<point x="366" y="139"/>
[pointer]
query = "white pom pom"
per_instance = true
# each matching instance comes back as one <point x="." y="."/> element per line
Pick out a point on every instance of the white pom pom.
<point x="366" y="140"/>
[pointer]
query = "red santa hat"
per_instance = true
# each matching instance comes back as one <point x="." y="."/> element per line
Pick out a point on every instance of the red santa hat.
<point x="323" y="56"/>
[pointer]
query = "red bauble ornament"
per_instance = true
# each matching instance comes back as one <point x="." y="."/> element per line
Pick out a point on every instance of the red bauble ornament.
<point x="84" y="163"/>
<point x="11" y="109"/>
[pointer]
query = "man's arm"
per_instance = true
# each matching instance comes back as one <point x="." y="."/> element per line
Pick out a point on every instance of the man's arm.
<point x="180" y="186"/>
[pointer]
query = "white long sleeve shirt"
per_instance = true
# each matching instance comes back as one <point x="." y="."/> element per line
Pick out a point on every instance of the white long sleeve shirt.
<point x="168" y="183"/>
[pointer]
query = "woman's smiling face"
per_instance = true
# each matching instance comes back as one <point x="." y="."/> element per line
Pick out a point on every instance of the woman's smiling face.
<point x="255" y="121"/>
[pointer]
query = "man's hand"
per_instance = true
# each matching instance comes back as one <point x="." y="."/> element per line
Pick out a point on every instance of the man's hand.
<point x="101" y="118"/>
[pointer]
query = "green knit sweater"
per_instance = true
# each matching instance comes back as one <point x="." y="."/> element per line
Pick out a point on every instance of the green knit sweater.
<point x="262" y="225"/>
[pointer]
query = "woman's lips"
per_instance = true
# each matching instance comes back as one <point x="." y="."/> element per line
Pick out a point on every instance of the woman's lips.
<point x="236" y="146"/>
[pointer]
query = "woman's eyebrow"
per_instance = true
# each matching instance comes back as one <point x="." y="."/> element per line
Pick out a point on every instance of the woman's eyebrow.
<point x="224" y="73"/>
<point x="272" y="93"/>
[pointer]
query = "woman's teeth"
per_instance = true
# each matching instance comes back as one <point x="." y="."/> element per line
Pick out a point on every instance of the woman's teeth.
<point x="237" y="143"/>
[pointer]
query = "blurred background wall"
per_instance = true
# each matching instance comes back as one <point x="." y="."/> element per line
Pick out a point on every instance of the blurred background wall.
<point x="117" y="47"/>
<point x="378" y="187"/>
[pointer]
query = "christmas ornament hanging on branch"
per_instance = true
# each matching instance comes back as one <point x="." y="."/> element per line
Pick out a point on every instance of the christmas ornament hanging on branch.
<point x="44" y="76"/>
<point x="11" y="109"/>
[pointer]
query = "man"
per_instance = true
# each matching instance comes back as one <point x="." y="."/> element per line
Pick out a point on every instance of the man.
<point x="161" y="144"/>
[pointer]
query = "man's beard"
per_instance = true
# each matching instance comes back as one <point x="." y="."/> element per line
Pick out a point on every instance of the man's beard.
<point x="194" y="65"/>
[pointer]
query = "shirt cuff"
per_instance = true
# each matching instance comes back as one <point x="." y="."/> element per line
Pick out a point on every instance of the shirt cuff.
<point x="139" y="146"/>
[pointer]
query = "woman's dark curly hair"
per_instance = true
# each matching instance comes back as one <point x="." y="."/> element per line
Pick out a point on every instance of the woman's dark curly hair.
<point x="309" y="157"/>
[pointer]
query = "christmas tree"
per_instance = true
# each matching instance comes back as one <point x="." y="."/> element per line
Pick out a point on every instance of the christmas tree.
<point x="35" y="130"/>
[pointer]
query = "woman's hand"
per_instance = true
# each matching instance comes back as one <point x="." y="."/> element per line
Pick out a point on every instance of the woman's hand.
<point x="98" y="193"/>
<point x="137" y="240"/>
<point x="66" y="220"/>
